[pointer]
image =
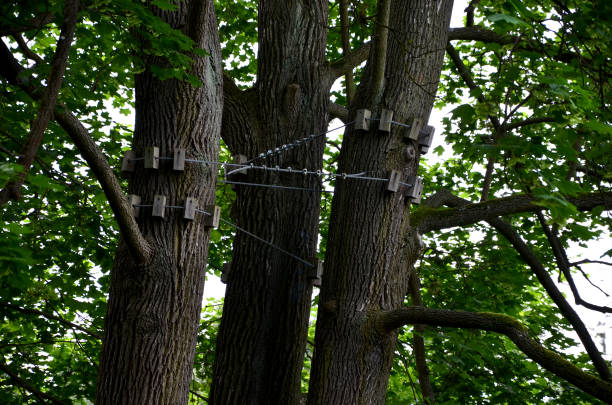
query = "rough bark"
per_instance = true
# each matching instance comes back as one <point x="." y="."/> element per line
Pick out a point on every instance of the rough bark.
<point x="371" y="243"/>
<point x="153" y="309"/>
<point x="262" y="336"/>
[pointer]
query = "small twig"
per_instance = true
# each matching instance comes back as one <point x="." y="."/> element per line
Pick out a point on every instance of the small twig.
<point x="203" y="398"/>
<point x="43" y="397"/>
<point x="29" y="311"/>
<point x="586" y="277"/>
<point x="589" y="261"/>
<point x="23" y="46"/>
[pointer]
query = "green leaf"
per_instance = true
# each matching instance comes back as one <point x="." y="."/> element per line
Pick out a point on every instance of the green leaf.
<point x="506" y="18"/>
<point x="165" y="5"/>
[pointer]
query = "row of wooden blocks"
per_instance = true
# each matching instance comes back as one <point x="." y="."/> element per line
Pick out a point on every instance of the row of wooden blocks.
<point x="315" y="273"/>
<point x="420" y="133"/>
<point x="413" y="187"/>
<point x="158" y="209"/>
<point x="151" y="159"/>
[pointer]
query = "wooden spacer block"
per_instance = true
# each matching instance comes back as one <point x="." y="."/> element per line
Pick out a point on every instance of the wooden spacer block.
<point x="159" y="206"/>
<point x="386" y="116"/>
<point x="134" y="199"/>
<point x="212" y="221"/>
<point x="413" y="193"/>
<point x="227" y="268"/>
<point x="415" y="129"/>
<point x="151" y="157"/>
<point x="128" y="163"/>
<point x="190" y="206"/>
<point x="315" y="274"/>
<point x="240" y="160"/>
<point x="362" y="119"/>
<point x="178" y="160"/>
<point x="394" y="181"/>
<point x="425" y="137"/>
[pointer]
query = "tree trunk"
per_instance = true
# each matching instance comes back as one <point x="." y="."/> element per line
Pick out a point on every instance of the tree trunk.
<point x="262" y="336"/>
<point x="371" y="243"/>
<point x="154" y="308"/>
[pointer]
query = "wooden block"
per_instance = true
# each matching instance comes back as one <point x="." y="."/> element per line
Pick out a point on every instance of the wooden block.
<point x="190" y="206"/>
<point x="151" y="157"/>
<point x="362" y="119"/>
<point x="227" y="268"/>
<point x="128" y="163"/>
<point x="413" y="193"/>
<point x="241" y="160"/>
<point x="159" y="206"/>
<point x="425" y="137"/>
<point x="386" y="116"/>
<point x="415" y="129"/>
<point x="394" y="181"/>
<point x="212" y="221"/>
<point x="134" y="199"/>
<point x="315" y="274"/>
<point x="178" y="161"/>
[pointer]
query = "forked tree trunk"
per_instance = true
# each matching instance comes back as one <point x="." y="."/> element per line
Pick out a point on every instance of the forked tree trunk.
<point x="262" y="336"/>
<point x="371" y="243"/>
<point x="154" y="308"/>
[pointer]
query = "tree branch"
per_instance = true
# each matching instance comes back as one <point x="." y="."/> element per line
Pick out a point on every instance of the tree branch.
<point x="466" y="213"/>
<point x="467" y="78"/>
<point x="381" y="38"/>
<point x="528" y="121"/>
<point x="139" y="247"/>
<point x="348" y="62"/>
<point x="488" y="178"/>
<point x="338" y="111"/>
<point x="195" y="394"/>
<point x="346" y="48"/>
<point x="37" y="22"/>
<point x="564" y="265"/>
<point x="469" y="14"/>
<point x="47" y="102"/>
<point x="487" y="36"/>
<point x="420" y="357"/>
<point x="445" y="197"/>
<point x="43" y="397"/>
<point x="476" y="33"/>
<point x="29" y="311"/>
<point x="553" y="292"/>
<point x="28" y="53"/>
<point x="589" y="261"/>
<point x="513" y="329"/>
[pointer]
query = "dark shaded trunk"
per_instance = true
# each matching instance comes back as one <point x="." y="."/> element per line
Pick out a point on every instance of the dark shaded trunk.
<point x="262" y="336"/>
<point x="371" y="244"/>
<point x="154" y="308"/>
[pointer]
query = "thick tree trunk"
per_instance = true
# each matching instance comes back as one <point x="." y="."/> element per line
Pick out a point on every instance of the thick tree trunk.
<point x="262" y="336"/>
<point x="371" y="243"/>
<point x="154" y="308"/>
